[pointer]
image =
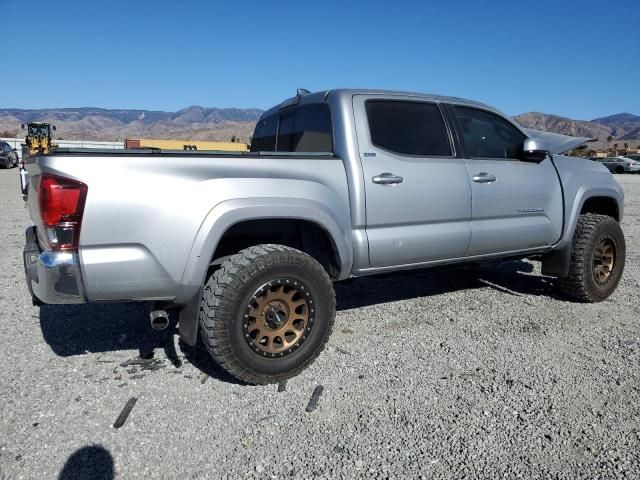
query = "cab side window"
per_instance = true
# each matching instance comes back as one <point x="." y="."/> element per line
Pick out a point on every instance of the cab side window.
<point x="487" y="135"/>
<point x="306" y="128"/>
<point x="264" y="135"/>
<point x="408" y="128"/>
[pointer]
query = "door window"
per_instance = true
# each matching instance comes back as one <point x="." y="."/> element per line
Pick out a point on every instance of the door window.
<point x="487" y="135"/>
<point x="408" y="128"/>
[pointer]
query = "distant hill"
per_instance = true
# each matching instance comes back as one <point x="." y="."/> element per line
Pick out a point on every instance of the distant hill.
<point x="566" y="126"/>
<point x="198" y="123"/>
<point x="623" y="127"/>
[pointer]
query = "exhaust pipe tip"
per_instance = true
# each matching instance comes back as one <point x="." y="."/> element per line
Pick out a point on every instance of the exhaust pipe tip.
<point x="159" y="319"/>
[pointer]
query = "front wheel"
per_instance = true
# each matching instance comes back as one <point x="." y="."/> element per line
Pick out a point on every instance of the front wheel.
<point x="267" y="313"/>
<point x="597" y="259"/>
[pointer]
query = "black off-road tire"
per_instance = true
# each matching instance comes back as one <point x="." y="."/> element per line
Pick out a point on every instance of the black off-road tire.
<point x="581" y="284"/>
<point x="230" y="290"/>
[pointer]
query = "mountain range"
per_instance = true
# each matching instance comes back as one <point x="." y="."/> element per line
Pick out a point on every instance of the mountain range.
<point x="622" y="127"/>
<point x="200" y="123"/>
<point x="197" y="123"/>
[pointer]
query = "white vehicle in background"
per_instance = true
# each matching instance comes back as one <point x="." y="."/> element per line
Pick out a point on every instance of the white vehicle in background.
<point x="632" y="165"/>
<point x="633" y="162"/>
<point x="619" y="164"/>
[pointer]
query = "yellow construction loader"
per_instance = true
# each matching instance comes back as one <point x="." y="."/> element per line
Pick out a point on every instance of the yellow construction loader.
<point x="38" y="138"/>
<point x="38" y="141"/>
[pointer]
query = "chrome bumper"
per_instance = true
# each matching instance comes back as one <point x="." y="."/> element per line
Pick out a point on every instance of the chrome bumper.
<point x="52" y="277"/>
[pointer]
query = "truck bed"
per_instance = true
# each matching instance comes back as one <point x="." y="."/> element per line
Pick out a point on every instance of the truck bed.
<point x="149" y="213"/>
<point x="102" y="152"/>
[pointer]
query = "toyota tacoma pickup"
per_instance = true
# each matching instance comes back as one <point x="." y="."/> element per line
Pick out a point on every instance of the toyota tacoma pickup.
<point x="245" y="246"/>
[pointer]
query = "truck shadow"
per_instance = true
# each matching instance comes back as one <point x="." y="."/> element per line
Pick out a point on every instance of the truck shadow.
<point x="511" y="278"/>
<point x="77" y="329"/>
<point x="108" y="327"/>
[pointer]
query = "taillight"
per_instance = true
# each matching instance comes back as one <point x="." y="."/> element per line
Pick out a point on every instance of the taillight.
<point x="61" y="203"/>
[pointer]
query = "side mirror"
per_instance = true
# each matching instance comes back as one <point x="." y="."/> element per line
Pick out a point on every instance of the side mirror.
<point x="534" y="151"/>
<point x="22" y="126"/>
<point x="54" y="128"/>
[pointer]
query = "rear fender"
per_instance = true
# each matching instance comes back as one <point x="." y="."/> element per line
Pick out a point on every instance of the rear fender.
<point x="231" y="212"/>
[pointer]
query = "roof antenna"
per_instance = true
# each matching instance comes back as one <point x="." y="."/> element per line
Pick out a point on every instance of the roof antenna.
<point x="301" y="92"/>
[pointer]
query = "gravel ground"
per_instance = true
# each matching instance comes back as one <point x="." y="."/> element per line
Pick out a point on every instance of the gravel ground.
<point x="465" y="373"/>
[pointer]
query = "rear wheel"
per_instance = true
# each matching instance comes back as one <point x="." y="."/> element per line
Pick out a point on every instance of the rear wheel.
<point x="267" y="313"/>
<point x="597" y="259"/>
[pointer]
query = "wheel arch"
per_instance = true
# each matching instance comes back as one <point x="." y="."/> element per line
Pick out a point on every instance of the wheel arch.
<point x="225" y="215"/>
<point x="306" y="235"/>
<point x="603" y="201"/>
<point x="228" y="215"/>
<point x="602" y="205"/>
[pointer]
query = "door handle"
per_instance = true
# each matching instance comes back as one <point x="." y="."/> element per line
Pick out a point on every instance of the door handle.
<point x="387" y="179"/>
<point x="484" y="177"/>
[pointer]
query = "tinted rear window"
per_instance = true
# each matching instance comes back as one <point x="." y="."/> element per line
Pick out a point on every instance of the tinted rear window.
<point x="302" y="129"/>
<point x="408" y="128"/>
<point x="264" y="135"/>
<point x="305" y="129"/>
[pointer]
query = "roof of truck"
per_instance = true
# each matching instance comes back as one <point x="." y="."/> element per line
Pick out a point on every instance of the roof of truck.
<point x="322" y="96"/>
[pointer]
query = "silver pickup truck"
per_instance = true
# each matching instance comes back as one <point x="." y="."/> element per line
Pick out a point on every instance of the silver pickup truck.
<point x="245" y="247"/>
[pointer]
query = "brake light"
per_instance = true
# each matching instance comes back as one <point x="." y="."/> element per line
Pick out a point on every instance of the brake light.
<point x="61" y="202"/>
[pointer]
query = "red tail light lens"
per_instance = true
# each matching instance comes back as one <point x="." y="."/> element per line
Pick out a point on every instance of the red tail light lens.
<point x="61" y="203"/>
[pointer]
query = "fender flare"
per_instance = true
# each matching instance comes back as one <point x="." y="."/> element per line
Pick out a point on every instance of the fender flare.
<point x="556" y="263"/>
<point x="230" y="212"/>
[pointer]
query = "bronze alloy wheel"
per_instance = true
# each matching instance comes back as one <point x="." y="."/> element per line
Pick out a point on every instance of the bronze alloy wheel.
<point x="267" y="313"/>
<point x="604" y="257"/>
<point x="279" y="317"/>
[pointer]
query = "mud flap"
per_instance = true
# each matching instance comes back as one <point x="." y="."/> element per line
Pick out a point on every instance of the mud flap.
<point x="188" y="319"/>
<point x="556" y="263"/>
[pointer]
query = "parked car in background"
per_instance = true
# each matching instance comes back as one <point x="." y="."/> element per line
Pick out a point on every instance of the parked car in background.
<point x="633" y="156"/>
<point x="8" y="156"/>
<point x="619" y="164"/>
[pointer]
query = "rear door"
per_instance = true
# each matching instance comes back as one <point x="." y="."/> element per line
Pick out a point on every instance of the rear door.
<point x="516" y="205"/>
<point x="418" y="197"/>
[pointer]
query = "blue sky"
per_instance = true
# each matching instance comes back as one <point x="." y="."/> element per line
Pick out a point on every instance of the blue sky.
<point x="577" y="59"/>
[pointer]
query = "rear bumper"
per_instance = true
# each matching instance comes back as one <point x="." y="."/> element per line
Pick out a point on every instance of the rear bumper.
<point x="52" y="277"/>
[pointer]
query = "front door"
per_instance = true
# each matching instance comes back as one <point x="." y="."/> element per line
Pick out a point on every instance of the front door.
<point x="418" y="196"/>
<point x="516" y="205"/>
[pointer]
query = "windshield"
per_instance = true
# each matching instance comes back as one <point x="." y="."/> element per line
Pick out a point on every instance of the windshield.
<point x="38" y="130"/>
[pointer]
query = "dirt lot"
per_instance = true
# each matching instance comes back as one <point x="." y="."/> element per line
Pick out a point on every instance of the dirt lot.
<point x="469" y="373"/>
